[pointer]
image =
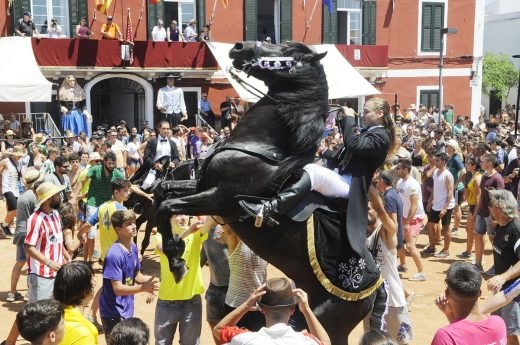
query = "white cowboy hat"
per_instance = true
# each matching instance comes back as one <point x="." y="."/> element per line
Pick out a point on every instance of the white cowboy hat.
<point x="17" y="151"/>
<point x="46" y="191"/>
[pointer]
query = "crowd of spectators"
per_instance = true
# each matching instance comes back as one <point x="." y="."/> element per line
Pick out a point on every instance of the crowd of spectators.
<point x="63" y="195"/>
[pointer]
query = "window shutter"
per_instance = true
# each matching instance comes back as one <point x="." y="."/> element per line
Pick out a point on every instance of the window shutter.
<point x="78" y="9"/>
<point x="438" y="24"/>
<point x="369" y="22"/>
<point x="201" y="13"/>
<point x="285" y="20"/>
<point x="154" y="12"/>
<point x="330" y="24"/>
<point x="432" y="23"/>
<point x="250" y="20"/>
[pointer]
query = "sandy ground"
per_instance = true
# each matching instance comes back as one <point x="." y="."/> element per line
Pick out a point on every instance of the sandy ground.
<point x="426" y="318"/>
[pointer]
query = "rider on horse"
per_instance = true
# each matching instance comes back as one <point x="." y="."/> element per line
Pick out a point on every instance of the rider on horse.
<point x="362" y="155"/>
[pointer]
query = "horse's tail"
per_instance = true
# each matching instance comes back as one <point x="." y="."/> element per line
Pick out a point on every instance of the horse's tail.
<point x="379" y="311"/>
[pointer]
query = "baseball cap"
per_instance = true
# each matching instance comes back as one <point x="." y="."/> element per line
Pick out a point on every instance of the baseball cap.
<point x="27" y="13"/>
<point x="109" y="18"/>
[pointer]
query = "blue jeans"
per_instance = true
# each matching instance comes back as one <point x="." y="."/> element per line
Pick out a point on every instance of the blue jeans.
<point x="187" y="314"/>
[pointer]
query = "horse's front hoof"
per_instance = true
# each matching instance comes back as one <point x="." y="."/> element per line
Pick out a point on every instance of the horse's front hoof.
<point x="138" y="208"/>
<point x="179" y="270"/>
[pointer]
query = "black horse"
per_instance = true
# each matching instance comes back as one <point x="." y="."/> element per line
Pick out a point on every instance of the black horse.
<point x="267" y="150"/>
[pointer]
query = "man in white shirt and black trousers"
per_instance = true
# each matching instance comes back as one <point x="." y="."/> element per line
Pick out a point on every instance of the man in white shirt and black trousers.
<point x="158" y="153"/>
<point x="170" y="102"/>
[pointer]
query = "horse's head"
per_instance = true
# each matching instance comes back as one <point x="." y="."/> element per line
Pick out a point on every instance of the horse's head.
<point x="267" y="61"/>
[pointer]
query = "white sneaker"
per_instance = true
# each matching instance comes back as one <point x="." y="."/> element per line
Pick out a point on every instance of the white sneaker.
<point x="418" y="277"/>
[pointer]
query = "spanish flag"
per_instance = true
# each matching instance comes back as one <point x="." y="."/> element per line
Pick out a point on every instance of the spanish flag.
<point x="155" y="2"/>
<point x="103" y="5"/>
<point x="225" y="3"/>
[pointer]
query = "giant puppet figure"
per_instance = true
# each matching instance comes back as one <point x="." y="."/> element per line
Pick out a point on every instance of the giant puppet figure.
<point x="74" y="115"/>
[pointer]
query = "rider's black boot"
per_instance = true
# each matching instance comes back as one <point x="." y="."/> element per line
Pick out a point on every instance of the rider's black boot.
<point x="280" y="205"/>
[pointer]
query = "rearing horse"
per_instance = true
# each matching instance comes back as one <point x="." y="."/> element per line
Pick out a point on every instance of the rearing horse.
<point x="266" y="150"/>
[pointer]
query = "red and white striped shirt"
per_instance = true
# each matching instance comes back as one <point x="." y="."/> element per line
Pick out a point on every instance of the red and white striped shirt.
<point x="44" y="233"/>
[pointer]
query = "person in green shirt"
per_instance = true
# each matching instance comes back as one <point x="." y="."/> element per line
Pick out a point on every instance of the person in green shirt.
<point x="449" y="114"/>
<point x="99" y="191"/>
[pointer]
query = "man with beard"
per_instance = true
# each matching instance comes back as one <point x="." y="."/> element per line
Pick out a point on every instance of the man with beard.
<point x="99" y="191"/>
<point x="46" y="252"/>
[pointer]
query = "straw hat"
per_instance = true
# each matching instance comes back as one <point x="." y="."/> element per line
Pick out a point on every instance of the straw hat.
<point x="39" y="138"/>
<point x="94" y="156"/>
<point x="17" y="151"/>
<point x="9" y="132"/>
<point x="46" y="191"/>
<point x="31" y="176"/>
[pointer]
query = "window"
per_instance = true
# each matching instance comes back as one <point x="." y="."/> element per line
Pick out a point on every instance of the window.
<point x="429" y="98"/>
<point x="349" y="22"/>
<point x="182" y="11"/>
<point x="43" y="11"/>
<point x="432" y="22"/>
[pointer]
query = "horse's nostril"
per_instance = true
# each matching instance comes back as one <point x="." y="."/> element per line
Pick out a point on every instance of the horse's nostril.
<point x="238" y="46"/>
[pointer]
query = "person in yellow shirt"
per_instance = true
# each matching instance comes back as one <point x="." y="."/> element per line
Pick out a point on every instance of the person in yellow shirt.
<point x="74" y="288"/>
<point x="110" y="29"/>
<point x="181" y="304"/>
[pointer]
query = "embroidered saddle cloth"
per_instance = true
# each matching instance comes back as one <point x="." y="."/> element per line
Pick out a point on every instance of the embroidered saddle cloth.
<point x="340" y="270"/>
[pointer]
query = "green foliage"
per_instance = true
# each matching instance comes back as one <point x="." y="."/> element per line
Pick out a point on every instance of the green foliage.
<point x="499" y="74"/>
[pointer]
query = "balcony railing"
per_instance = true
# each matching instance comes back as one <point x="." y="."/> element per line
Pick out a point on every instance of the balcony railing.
<point x="107" y="53"/>
<point x="365" y="56"/>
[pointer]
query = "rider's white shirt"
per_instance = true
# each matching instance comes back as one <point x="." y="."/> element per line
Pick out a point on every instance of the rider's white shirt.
<point x="163" y="148"/>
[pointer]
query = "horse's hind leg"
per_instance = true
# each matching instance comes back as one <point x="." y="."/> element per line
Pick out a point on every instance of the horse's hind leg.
<point x="339" y="319"/>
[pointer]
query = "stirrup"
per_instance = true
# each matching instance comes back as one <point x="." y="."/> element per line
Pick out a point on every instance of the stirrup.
<point x="259" y="217"/>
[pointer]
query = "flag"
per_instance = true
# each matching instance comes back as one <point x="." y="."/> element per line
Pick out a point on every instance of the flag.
<point x="155" y="2"/>
<point x="103" y="5"/>
<point x="129" y="37"/>
<point x="225" y="3"/>
<point x="328" y="3"/>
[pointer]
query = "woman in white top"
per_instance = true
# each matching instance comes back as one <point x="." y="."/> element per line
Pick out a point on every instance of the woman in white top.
<point x="382" y="243"/>
<point x="134" y="156"/>
<point x="247" y="272"/>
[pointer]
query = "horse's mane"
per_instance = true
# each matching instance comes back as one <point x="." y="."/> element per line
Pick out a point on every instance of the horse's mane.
<point x="303" y="97"/>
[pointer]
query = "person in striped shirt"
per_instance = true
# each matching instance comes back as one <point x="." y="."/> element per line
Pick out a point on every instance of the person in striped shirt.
<point x="46" y="252"/>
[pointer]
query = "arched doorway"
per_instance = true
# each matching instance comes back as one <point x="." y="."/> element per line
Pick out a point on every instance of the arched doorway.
<point x="115" y="97"/>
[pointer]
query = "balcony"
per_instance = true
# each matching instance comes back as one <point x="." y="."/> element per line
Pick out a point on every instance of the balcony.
<point x="77" y="54"/>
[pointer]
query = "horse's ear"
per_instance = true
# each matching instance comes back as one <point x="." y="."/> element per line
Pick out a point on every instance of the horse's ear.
<point x="311" y="57"/>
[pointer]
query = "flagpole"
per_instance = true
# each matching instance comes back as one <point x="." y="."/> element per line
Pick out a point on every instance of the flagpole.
<point x="92" y="21"/>
<point x="308" y="26"/>
<point x="213" y="13"/>
<point x="139" y="19"/>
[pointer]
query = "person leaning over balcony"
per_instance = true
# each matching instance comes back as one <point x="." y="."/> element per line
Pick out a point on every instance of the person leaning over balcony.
<point x="173" y="34"/>
<point x="82" y="30"/>
<point x="190" y="33"/>
<point x="25" y="26"/>
<point x="158" y="32"/>
<point x="110" y="29"/>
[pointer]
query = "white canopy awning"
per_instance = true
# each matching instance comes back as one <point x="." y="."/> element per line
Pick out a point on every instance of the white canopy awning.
<point x="20" y="77"/>
<point x="343" y="79"/>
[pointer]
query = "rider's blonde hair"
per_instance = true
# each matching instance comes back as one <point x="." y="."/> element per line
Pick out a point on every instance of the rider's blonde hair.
<point x="387" y="122"/>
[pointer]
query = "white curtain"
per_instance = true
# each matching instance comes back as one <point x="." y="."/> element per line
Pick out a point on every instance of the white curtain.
<point x="276" y="21"/>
